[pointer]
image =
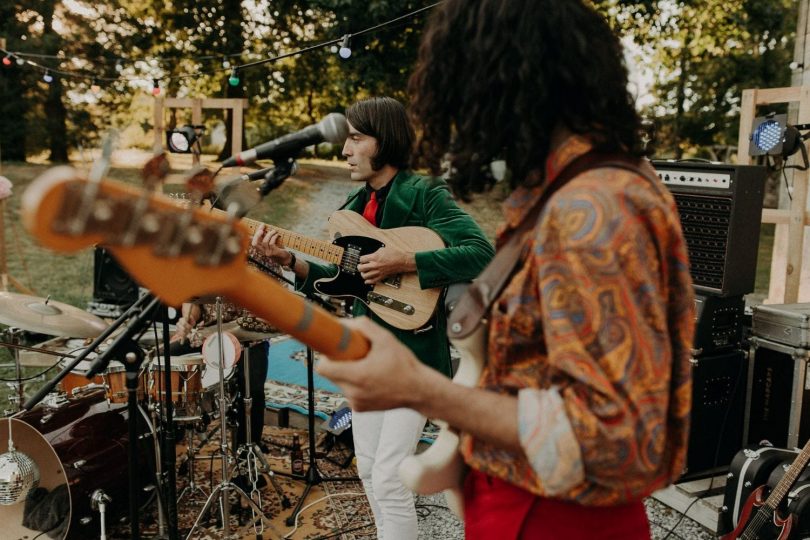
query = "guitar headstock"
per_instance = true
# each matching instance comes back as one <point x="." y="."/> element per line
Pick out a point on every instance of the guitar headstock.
<point x="145" y="232"/>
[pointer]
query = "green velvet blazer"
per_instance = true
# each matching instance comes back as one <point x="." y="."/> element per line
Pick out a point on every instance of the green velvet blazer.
<point x="422" y="201"/>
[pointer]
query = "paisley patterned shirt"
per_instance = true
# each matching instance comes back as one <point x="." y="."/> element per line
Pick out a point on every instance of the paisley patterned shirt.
<point x="593" y="335"/>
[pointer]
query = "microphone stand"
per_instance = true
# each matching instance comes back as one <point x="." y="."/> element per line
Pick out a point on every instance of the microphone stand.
<point x="312" y="476"/>
<point x="170" y="436"/>
<point x="131" y="355"/>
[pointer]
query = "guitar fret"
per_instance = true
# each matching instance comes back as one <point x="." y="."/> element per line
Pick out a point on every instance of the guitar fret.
<point x="318" y="248"/>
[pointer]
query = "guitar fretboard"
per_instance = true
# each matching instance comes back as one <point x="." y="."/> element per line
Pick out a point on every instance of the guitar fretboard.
<point x="317" y="248"/>
<point x="789" y="478"/>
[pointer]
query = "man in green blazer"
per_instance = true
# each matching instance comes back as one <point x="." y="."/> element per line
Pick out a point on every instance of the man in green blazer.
<point x="377" y="151"/>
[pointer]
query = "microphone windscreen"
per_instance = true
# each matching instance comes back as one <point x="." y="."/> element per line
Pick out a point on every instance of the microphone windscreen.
<point x="334" y="128"/>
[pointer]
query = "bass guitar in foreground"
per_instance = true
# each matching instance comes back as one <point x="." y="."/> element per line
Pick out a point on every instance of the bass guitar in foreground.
<point x="180" y="253"/>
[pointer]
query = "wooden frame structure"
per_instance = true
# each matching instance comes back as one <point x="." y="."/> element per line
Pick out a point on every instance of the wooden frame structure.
<point x="790" y="241"/>
<point x="238" y="105"/>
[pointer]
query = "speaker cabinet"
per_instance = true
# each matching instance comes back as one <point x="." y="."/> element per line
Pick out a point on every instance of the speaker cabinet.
<point x="111" y="283"/>
<point x="718" y="403"/>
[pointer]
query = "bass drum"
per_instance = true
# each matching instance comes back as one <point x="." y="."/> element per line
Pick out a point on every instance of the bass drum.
<point x="79" y="446"/>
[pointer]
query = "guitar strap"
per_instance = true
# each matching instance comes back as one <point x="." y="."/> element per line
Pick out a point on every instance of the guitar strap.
<point x="473" y="306"/>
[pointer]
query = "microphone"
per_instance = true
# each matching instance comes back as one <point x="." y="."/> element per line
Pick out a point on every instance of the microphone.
<point x="333" y="128"/>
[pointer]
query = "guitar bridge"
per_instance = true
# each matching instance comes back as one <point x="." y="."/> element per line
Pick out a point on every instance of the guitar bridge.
<point x="390" y="303"/>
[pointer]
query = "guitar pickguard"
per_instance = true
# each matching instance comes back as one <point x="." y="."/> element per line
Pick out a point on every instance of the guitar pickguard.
<point x="348" y="281"/>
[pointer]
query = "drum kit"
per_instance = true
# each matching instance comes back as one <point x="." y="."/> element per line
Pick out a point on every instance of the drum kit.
<point x="78" y="436"/>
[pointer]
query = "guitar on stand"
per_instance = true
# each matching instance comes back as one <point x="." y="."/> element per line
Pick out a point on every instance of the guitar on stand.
<point x="759" y="510"/>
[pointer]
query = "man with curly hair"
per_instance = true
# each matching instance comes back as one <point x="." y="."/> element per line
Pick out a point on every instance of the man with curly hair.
<point x="582" y="409"/>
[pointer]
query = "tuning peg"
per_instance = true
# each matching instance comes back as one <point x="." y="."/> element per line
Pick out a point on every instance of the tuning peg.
<point x="199" y="182"/>
<point x="155" y="171"/>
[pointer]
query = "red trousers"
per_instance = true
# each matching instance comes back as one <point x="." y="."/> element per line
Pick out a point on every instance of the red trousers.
<point x="494" y="509"/>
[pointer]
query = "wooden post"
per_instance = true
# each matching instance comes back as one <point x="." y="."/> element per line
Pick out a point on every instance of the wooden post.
<point x="159" y="126"/>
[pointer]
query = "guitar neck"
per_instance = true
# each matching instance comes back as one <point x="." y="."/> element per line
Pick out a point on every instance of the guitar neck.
<point x="787" y="481"/>
<point x="317" y="248"/>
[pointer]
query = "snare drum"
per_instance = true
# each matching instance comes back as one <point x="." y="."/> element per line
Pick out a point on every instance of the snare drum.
<point x="186" y="379"/>
<point x="115" y="381"/>
<point x="76" y="380"/>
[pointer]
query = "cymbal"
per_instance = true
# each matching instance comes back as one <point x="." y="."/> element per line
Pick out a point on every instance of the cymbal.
<point x="47" y="316"/>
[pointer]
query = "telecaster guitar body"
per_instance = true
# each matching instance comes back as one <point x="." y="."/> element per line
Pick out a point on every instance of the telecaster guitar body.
<point x="398" y="300"/>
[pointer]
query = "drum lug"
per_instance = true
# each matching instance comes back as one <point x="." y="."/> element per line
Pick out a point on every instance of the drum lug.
<point x="45" y="418"/>
<point x="79" y="464"/>
<point x="85" y="520"/>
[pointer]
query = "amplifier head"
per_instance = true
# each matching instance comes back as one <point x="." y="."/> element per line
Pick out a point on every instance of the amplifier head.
<point x="720" y="206"/>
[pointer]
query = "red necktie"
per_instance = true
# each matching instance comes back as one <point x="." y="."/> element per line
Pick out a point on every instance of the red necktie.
<point x="370" y="212"/>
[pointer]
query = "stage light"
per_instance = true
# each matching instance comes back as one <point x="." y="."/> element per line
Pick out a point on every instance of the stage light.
<point x="771" y="135"/>
<point x="345" y="47"/>
<point x="48" y="78"/>
<point x="182" y="140"/>
<point x="233" y="80"/>
<point x="767" y="135"/>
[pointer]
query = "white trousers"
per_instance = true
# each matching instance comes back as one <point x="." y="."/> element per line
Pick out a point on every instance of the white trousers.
<point x="382" y="439"/>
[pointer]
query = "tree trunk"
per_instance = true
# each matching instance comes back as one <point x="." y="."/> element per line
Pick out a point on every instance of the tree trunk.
<point x="55" y="112"/>
<point x="55" y="115"/>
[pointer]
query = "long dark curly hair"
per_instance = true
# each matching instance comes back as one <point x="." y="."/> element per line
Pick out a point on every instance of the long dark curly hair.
<point x="494" y="78"/>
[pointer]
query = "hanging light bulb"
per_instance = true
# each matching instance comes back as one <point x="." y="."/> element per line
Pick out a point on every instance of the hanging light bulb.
<point x="118" y="67"/>
<point x="345" y="49"/>
<point x="94" y="87"/>
<point x="225" y="63"/>
<point x="155" y="87"/>
<point x="20" y="61"/>
<point x="233" y="80"/>
<point x="48" y="78"/>
<point x="7" y="60"/>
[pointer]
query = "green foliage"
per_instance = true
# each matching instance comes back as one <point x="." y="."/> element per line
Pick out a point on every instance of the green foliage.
<point x="705" y="53"/>
<point x="699" y="54"/>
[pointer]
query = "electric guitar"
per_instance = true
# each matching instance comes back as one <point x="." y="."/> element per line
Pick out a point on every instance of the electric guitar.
<point x="398" y="300"/>
<point x="758" y="510"/>
<point x="178" y="253"/>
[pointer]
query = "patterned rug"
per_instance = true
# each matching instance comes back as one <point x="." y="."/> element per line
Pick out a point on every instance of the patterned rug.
<point x="331" y="509"/>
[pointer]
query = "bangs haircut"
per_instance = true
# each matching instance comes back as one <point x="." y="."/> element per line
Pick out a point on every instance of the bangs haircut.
<point x="386" y="120"/>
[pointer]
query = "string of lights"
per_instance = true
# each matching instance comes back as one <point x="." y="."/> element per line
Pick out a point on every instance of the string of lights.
<point x="342" y="46"/>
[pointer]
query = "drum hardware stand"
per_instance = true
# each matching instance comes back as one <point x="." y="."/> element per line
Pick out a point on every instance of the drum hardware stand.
<point x="313" y="476"/>
<point x="151" y="421"/>
<point x="251" y="450"/>
<point x="192" y="456"/>
<point x="226" y="485"/>
<point x="98" y="502"/>
<point x="14" y="335"/>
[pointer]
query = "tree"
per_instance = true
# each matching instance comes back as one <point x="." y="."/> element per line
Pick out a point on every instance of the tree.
<point x="706" y="52"/>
